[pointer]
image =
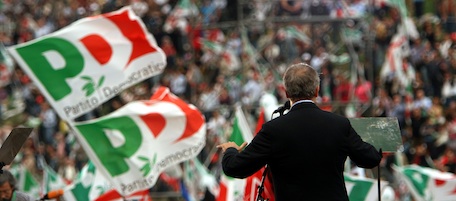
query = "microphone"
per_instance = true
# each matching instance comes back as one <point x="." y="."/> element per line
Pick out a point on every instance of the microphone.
<point x="52" y="194"/>
<point x="282" y="108"/>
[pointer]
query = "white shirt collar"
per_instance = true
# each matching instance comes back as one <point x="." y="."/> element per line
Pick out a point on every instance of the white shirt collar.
<point x="302" y="101"/>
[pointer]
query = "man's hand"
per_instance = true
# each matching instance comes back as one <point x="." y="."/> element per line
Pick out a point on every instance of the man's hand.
<point x="227" y="145"/>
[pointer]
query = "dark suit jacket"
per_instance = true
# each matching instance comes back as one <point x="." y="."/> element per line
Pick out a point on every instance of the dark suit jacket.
<point x="305" y="150"/>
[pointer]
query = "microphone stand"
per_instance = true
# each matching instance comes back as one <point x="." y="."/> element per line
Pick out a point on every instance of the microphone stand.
<point x="265" y="173"/>
<point x="378" y="179"/>
<point x="261" y="187"/>
<point x="1" y="167"/>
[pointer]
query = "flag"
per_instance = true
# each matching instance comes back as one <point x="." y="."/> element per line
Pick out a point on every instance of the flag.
<point x="178" y="16"/>
<point x="268" y="104"/>
<point x="135" y="143"/>
<point x="6" y="66"/>
<point x="249" y="53"/>
<point x="83" y="65"/>
<point x="261" y="120"/>
<point x="113" y="195"/>
<point x="362" y="189"/>
<point x="242" y="189"/>
<point x="51" y="180"/>
<point x="172" y="176"/>
<point x="26" y="182"/>
<point x="89" y="185"/>
<point x="231" y="189"/>
<point x="187" y="194"/>
<point x="394" y="66"/>
<point x="252" y="184"/>
<point x="230" y="61"/>
<point x="426" y="184"/>
<point x="241" y="130"/>
<point x="254" y="181"/>
<point x="296" y="33"/>
<point x="197" y="179"/>
<point x="212" y="46"/>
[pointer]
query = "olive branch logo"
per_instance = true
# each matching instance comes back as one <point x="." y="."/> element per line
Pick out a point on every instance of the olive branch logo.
<point x="90" y="86"/>
<point x="149" y="164"/>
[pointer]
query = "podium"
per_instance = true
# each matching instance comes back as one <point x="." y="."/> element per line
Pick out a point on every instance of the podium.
<point x="13" y="145"/>
<point x="381" y="132"/>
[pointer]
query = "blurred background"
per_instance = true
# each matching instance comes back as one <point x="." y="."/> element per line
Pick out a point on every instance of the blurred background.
<point x="377" y="58"/>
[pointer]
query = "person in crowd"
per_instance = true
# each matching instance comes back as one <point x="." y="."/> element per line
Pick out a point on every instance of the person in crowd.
<point x="8" y="190"/>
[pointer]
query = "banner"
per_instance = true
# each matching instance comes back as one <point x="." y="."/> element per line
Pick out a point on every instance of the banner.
<point x="26" y="182"/>
<point x="363" y="189"/>
<point x="113" y="195"/>
<point x="6" y="66"/>
<point x="134" y="144"/>
<point x="89" y="185"/>
<point x="428" y="184"/>
<point x="243" y="189"/>
<point x="90" y="61"/>
<point x="197" y="179"/>
<point x="51" y="180"/>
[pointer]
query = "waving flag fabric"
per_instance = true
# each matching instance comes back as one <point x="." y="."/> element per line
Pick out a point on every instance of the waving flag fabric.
<point x="197" y="179"/>
<point x="6" y="66"/>
<point x="51" y="180"/>
<point x="90" y="61"/>
<point x="362" y="189"/>
<point x="89" y="185"/>
<point x="427" y="184"/>
<point x="113" y="195"/>
<point x="135" y="143"/>
<point x="26" y="182"/>
<point x="242" y="189"/>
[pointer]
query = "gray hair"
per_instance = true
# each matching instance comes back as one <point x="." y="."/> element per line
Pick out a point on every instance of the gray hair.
<point x="301" y="81"/>
<point x="7" y="177"/>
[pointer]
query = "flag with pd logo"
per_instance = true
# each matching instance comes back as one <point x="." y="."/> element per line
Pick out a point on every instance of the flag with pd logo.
<point x="135" y="143"/>
<point x="427" y="183"/>
<point x="92" y="185"/>
<point x="88" y="185"/>
<point x="90" y="61"/>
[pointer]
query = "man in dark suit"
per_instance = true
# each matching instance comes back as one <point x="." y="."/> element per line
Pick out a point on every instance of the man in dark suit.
<point x="305" y="149"/>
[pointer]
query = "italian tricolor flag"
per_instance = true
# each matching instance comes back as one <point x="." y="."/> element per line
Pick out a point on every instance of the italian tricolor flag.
<point x="242" y="189"/>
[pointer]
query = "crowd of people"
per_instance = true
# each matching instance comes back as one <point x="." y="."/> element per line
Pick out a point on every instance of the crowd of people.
<point x="217" y="58"/>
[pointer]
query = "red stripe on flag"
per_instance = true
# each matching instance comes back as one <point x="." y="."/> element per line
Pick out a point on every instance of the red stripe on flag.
<point x="222" y="193"/>
<point x="155" y="122"/>
<point x="253" y="182"/>
<point x="194" y="118"/>
<point x="439" y="182"/>
<point x="134" y="32"/>
<point x="260" y="121"/>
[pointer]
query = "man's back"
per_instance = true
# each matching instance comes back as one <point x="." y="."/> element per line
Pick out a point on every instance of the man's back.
<point x="306" y="150"/>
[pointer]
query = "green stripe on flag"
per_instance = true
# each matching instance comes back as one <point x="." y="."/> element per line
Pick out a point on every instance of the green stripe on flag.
<point x="241" y="130"/>
<point x="360" y="189"/>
